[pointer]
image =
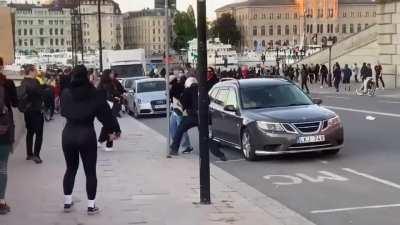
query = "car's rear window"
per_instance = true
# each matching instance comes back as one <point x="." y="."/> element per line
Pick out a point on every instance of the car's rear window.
<point x="256" y="97"/>
<point x="150" y="86"/>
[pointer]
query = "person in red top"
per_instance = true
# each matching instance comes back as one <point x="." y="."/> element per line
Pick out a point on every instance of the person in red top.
<point x="245" y="73"/>
<point x="378" y="75"/>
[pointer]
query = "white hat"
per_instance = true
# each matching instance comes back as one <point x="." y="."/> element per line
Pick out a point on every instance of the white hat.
<point x="190" y="81"/>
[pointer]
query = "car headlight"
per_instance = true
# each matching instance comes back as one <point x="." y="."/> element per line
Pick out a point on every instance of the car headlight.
<point x="332" y="122"/>
<point x="270" y="127"/>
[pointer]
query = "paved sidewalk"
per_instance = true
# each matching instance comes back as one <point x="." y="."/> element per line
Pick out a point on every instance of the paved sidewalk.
<point x="137" y="185"/>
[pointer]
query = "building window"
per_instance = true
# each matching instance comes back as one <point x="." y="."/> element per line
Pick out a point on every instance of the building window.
<point x="41" y="31"/>
<point x="25" y="42"/>
<point x="62" y="31"/>
<point x="359" y="27"/>
<point x="330" y="13"/>
<point x="41" y="22"/>
<point x="56" y="41"/>
<point x="51" y="41"/>
<point x="295" y="29"/>
<point x="255" y="16"/>
<point x="351" y="28"/>
<point x="271" y="16"/>
<point x="352" y="14"/>
<point x="51" y="31"/>
<point x="367" y="14"/>
<point x="320" y="13"/>
<point x="344" y="28"/>
<point x="50" y="22"/>
<point x="30" y="32"/>
<point x="20" y="42"/>
<point x="19" y="32"/>
<point x="337" y="29"/>
<point x="279" y="32"/>
<point x="287" y="30"/>
<point x="344" y="14"/>
<point x="295" y="16"/>
<point x="271" y="30"/>
<point x="31" y="42"/>
<point x="359" y="14"/>
<point x="41" y="41"/>
<point x="254" y="31"/>
<point x="263" y="30"/>
<point x="25" y="32"/>
<point x="263" y="43"/>
<point x="56" y="31"/>
<point x="279" y="16"/>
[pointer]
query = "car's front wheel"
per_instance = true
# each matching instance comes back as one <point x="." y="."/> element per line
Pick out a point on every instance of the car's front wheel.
<point x="136" y="112"/>
<point x="247" y="147"/>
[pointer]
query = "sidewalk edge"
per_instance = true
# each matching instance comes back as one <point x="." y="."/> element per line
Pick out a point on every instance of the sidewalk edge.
<point x="270" y="206"/>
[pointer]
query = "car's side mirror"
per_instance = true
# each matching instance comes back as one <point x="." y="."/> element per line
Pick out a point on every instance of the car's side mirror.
<point x="230" y="108"/>
<point x="317" y="101"/>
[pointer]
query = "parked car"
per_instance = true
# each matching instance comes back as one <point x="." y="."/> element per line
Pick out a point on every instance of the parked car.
<point x="147" y="97"/>
<point x="271" y="117"/>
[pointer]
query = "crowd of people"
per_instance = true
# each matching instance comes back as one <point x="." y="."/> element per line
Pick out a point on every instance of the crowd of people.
<point x="80" y="97"/>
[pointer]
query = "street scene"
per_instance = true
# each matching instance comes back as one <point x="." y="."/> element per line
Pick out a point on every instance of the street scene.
<point x="172" y="112"/>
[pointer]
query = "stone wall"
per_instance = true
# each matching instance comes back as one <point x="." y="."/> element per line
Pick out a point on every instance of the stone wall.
<point x="389" y="41"/>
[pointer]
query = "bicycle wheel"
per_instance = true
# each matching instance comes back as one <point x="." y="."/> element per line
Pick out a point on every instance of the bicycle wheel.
<point x="372" y="90"/>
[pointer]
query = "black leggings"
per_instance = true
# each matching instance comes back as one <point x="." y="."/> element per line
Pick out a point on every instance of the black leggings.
<point x="80" y="140"/>
<point x="34" y="125"/>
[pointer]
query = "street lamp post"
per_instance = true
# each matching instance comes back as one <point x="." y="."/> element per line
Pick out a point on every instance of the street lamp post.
<point x="100" y="38"/>
<point x="330" y="44"/>
<point x="167" y="71"/>
<point x="205" y="197"/>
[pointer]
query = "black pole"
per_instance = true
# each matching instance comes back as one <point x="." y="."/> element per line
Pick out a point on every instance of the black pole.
<point x="81" y="31"/>
<point x="100" y="38"/>
<point x="203" y="103"/>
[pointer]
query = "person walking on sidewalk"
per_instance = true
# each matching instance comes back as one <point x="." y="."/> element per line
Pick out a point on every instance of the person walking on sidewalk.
<point x="32" y="106"/>
<point x="8" y="99"/>
<point x="356" y="72"/>
<point x="346" y="77"/>
<point x="337" y="76"/>
<point x="304" y="79"/>
<point x="113" y="96"/>
<point x="81" y="103"/>
<point x="364" y="72"/>
<point x="378" y="76"/>
<point x="324" y="76"/>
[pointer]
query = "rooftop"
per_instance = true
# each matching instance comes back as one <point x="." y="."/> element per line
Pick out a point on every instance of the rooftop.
<point x="255" y="3"/>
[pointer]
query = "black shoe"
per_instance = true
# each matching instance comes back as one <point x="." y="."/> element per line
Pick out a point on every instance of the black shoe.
<point x="188" y="150"/>
<point x="29" y="157"/>
<point x="68" y="207"/>
<point x="93" y="210"/>
<point x="223" y="158"/>
<point x="37" y="160"/>
<point x="173" y="153"/>
<point x="4" y="209"/>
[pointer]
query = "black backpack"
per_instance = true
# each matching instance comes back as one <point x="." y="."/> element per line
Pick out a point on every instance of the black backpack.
<point x="6" y="121"/>
<point x="24" y="102"/>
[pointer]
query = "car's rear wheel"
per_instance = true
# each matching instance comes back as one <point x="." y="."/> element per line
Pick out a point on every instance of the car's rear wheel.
<point x="136" y="112"/>
<point x="247" y="147"/>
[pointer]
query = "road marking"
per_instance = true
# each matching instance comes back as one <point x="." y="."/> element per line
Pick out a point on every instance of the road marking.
<point x="292" y="179"/>
<point x="354" y="208"/>
<point x="299" y="178"/>
<point x="390" y="102"/>
<point x="338" y="97"/>
<point x="364" y="111"/>
<point x="324" y="162"/>
<point x="370" y="177"/>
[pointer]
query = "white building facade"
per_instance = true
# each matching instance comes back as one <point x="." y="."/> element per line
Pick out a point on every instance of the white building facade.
<point x="41" y="28"/>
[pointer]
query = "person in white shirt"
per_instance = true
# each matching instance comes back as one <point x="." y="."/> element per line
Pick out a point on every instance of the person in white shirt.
<point x="356" y="72"/>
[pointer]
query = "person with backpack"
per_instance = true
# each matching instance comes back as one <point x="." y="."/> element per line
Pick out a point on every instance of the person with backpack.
<point x="81" y="103"/>
<point x="8" y="99"/>
<point x="31" y="103"/>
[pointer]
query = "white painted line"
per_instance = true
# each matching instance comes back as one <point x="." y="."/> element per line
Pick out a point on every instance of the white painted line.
<point x="338" y="97"/>
<point x="376" y="179"/>
<point x="324" y="162"/>
<point x="370" y="118"/>
<point x="390" y="102"/>
<point x="364" y="111"/>
<point x="354" y="208"/>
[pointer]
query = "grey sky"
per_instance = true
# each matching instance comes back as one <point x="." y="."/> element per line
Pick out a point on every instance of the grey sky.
<point x="130" y="5"/>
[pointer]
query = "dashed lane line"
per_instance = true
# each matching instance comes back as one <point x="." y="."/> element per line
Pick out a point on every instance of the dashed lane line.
<point x="370" y="177"/>
<point x="364" y="111"/>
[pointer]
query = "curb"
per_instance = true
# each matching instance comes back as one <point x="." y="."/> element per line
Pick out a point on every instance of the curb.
<point x="271" y="207"/>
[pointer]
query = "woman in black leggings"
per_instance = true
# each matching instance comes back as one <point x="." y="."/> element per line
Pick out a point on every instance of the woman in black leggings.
<point x="80" y="104"/>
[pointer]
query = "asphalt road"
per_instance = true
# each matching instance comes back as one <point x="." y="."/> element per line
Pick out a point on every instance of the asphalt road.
<point x="360" y="186"/>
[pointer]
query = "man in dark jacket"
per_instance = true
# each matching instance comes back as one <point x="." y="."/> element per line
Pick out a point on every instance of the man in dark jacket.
<point x="337" y="76"/>
<point x="33" y="115"/>
<point x="324" y="76"/>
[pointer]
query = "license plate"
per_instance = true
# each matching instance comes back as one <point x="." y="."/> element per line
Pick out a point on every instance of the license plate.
<point x="311" y="139"/>
<point x="160" y="106"/>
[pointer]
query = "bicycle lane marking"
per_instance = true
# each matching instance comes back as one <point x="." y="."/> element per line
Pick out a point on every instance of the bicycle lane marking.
<point x="367" y="207"/>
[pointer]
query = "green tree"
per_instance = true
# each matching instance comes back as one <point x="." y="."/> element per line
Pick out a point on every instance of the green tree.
<point x="226" y="30"/>
<point x="184" y="28"/>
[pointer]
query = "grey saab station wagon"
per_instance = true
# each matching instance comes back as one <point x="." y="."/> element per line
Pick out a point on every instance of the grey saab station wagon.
<point x="271" y="117"/>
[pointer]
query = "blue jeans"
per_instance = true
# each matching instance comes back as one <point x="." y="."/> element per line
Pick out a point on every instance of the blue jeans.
<point x="174" y="122"/>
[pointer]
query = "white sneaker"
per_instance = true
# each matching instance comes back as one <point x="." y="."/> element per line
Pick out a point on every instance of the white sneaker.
<point x="322" y="86"/>
<point x="107" y="149"/>
<point x="100" y="145"/>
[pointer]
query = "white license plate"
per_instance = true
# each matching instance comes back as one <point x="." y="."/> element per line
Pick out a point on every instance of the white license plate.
<point x="311" y="139"/>
<point x="160" y="106"/>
